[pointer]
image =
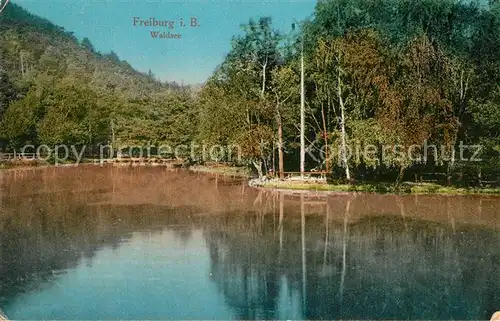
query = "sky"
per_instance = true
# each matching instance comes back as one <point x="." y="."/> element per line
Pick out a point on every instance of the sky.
<point x="109" y="24"/>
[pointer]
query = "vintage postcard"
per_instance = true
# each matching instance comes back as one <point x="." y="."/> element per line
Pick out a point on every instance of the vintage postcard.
<point x="249" y="160"/>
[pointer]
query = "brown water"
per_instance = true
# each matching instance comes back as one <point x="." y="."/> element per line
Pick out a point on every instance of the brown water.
<point x="149" y="243"/>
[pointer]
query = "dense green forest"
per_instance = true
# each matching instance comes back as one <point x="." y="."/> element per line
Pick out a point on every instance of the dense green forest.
<point x="378" y="73"/>
<point x="55" y="89"/>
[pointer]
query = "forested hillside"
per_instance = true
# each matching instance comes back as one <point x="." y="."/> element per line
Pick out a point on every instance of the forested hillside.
<point x="398" y="75"/>
<point x="55" y="89"/>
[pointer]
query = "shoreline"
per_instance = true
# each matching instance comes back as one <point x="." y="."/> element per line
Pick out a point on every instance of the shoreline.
<point x="242" y="172"/>
<point x="405" y="188"/>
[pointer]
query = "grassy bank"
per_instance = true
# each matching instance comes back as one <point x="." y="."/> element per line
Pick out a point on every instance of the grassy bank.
<point x="225" y="170"/>
<point x="21" y="164"/>
<point x="404" y="188"/>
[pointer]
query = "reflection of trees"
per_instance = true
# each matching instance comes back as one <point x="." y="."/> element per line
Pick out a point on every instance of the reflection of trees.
<point x="43" y="237"/>
<point x="384" y="266"/>
<point x="246" y="277"/>
<point x="48" y="223"/>
<point x="418" y="262"/>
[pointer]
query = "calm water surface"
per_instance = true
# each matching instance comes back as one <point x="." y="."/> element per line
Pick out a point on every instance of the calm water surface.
<point x="149" y="243"/>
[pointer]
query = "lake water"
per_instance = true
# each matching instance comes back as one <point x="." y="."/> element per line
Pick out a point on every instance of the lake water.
<point x="150" y="243"/>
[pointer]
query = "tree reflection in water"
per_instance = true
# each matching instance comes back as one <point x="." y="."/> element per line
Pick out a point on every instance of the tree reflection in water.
<point x="272" y="255"/>
<point x="378" y="267"/>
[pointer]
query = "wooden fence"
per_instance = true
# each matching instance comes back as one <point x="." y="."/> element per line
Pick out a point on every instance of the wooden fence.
<point x="18" y="157"/>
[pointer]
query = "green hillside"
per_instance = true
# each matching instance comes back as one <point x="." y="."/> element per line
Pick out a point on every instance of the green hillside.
<point x="62" y="91"/>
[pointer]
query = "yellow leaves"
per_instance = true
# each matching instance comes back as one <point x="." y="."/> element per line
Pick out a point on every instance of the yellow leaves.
<point x="256" y="141"/>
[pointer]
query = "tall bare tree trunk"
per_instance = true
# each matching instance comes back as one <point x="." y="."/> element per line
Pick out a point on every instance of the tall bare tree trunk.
<point x="342" y="127"/>
<point x="302" y="115"/>
<point x="263" y="88"/>
<point x="280" y="142"/>
<point x="325" y="136"/>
